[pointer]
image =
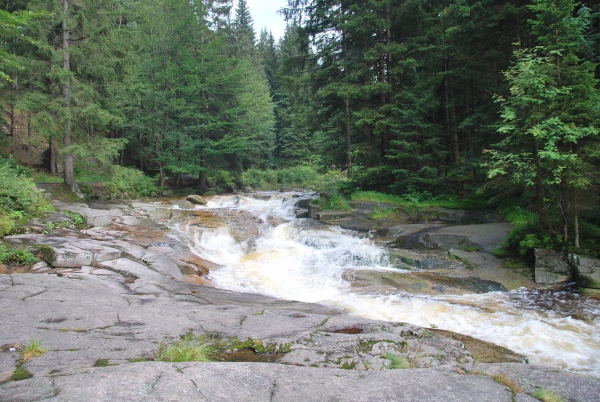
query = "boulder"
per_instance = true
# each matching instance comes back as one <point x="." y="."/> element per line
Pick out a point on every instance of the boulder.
<point x="313" y="210"/>
<point x="196" y="199"/>
<point x="587" y="271"/>
<point x="332" y="215"/>
<point x="551" y="267"/>
<point x="301" y="213"/>
<point x="67" y="256"/>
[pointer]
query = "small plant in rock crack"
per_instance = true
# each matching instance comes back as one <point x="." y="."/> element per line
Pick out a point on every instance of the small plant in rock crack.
<point x="189" y="348"/>
<point x="547" y="396"/>
<point x="397" y="362"/>
<point x="34" y="349"/>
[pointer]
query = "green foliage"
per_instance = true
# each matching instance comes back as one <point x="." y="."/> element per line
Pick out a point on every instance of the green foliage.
<point x="76" y="219"/>
<point x="546" y="395"/>
<point x="222" y="179"/>
<point x="21" y="374"/>
<point x="332" y="200"/>
<point x="298" y="176"/>
<point x="33" y="349"/>
<point x="126" y="183"/>
<point x="518" y="216"/>
<point x="189" y="348"/>
<point x="17" y="255"/>
<point x="397" y="362"/>
<point x="418" y="200"/>
<point x="18" y="195"/>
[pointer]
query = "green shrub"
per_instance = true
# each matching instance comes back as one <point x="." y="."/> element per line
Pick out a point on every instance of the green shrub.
<point x="421" y="200"/>
<point x="21" y="374"/>
<point x="20" y="256"/>
<point x="223" y="179"/>
<point x="18" y="195"/>
<point x="397" y="362"/>
<point x="189" y="348"/>
<point x="298" y="176"/>
<point x="126" y="182"/>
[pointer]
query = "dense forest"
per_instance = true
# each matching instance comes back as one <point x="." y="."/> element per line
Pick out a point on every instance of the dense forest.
<point x="494" y="100"/>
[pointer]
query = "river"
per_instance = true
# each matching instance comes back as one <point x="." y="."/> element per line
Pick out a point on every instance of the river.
<point x="262" y="248"/>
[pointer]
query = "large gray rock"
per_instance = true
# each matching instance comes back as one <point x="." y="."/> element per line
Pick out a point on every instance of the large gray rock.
<point x="487" y="237"/>
<point x="254" y="382"/>
<point x="331" y="215"/>
<point x="196" y="199"/>
<point x="587" y="271"/>
<point x="551" y="267"/>
<point x="313" y="210"/>
<point x="67" y="256"/>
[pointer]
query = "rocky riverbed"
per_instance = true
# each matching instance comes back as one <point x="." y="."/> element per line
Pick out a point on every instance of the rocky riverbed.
<point x="106" y="297"/>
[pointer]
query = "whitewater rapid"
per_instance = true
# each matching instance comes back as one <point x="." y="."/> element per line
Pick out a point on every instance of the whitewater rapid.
<point x="277" y="255"/>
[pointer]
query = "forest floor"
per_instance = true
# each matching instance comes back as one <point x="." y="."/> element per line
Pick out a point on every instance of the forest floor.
<point x="106" y="298"/>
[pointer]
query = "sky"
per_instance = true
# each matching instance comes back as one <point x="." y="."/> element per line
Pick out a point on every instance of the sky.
<point x="264" y="13"/>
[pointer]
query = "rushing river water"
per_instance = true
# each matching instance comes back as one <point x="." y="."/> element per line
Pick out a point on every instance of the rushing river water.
<point x="262" y="248"/>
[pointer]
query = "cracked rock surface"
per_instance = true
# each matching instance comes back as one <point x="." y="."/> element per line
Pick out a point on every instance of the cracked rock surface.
<point x="138" y="285"/>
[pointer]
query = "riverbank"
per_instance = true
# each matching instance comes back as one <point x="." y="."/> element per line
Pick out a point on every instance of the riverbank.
<point x="119" y="289"/>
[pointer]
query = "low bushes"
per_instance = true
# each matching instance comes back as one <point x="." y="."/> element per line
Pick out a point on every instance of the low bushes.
<point x="125" y="182"/>
<point x="298" y="176"/>
<point x="18" y="195"/>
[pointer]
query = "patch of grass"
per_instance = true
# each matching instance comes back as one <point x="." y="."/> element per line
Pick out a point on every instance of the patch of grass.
<point x="501" y="253"/>
<point x="189" y="348"/>
<point x="503" y="379"/>
<point x="43" y="177"/>
<point x="17" y="255"/>
<point x="351" y="365"/>
<point x="405" y="201"/>
<point x="103" y="363"/>
<point x="76" y="219"/>
<point x="518" y="216"/>
<point x="34" y="349"/>
<point x="397" y="362"/>
<point x="258" y="346"/>
<point x="471" y="249"/>
<point x="139" y="360"/>
<point x="383" y="213"/>
<point x="547" y="396"/>
<point x="334" y="202"/>
<point x="21" y="374"/>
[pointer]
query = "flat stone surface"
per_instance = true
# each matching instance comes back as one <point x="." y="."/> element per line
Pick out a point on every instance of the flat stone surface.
<point x="571" y="387"/>
<point x="254" y="382"/>
<point x="486" y="236"/>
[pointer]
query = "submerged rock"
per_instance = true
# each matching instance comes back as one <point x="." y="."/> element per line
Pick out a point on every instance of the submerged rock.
<point x="196" y="199"/>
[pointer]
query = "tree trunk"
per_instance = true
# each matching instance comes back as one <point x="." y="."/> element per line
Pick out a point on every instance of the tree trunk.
<point x="69" y="174"/>
<point x="576" y="221"/>
<point x="346" y="98"/>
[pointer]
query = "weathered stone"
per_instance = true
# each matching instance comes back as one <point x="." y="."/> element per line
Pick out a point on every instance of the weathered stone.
<point x="167" y="193"/>
<point x="313" y="210"/>
<point x="591" y="281"/>
<point x="331" y="215"/>
<point x="484" y="236"/>
<point x="552" y="261"/>
<point x="158" y="213"/>
<point x="551" y="267"/>
<point x="67" y="256"/>
<point x="301" y="213"/>
<point x="303" y="203"/>
<point x="196" y="199"/>
<point x="549" y="278"/>
<point x="100" y="252"/>
<point x="587" y="271"/>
